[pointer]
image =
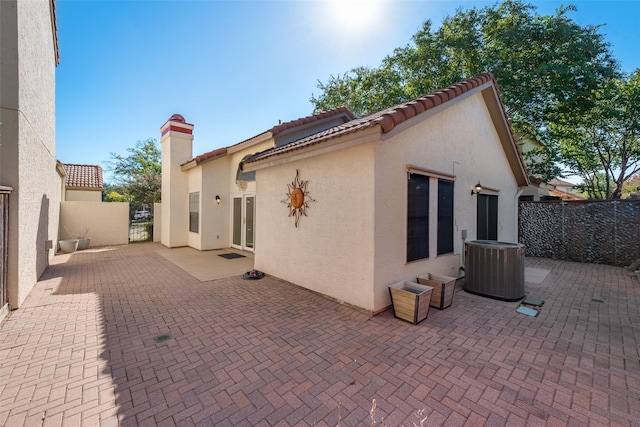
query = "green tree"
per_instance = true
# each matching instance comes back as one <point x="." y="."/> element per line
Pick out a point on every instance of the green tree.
<point x="602" y="144"/>
<point x="546" y="67"/>
<point x="113" y="193"/>
<point x="114" y="196"/>
<point x="138" y="174"/>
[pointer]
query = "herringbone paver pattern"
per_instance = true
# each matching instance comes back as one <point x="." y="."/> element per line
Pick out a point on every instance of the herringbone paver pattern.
<point x="82" y="351"/>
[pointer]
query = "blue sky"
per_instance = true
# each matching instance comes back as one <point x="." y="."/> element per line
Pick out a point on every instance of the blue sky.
<point x="234" y="68"/>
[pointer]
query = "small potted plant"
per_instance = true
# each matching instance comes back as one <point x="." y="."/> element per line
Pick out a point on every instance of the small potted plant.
<point x="68" y="246"/>
<point x="80" y="235"/>
<point x="443" y="288"/>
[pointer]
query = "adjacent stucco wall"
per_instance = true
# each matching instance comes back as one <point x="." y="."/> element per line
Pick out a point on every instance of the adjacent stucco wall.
<point x="460" y="140"/>
<point x="83" y="195"/>
<point x="27" y="140"/>
<point x="536" y="191"/>
<point x="104" y="223"/>
<point x="331" y="251"/>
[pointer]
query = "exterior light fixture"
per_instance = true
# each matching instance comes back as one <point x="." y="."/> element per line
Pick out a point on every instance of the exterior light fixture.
<point x="218" y="200"/>
<point x="477" y="189"/>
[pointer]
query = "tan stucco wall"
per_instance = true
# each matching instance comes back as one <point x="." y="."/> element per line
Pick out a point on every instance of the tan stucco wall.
<point x="83" y="195"/>
<point x="331" y="251"/>
<point x="27" y="140"/>
<point x="157" y="222"/>
<point x="214" y="221"/>
<point x="104" y="223"/>
<point x="195" y="186"/>
<point x="236" y="190"/>
<point x="353" y="244"/>
<point x="176" y="150"/>
<point x="460" y="141"/>
<point x="217" y="177"/>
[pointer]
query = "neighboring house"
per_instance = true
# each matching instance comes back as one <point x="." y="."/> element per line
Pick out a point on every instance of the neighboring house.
<point x="83" y="183"/>
<point x="29" y="52"/>
<point x="564" y="190"/>
<point x="82" y="212"/>
<point x="536" y="191"/>
<point x="349" y="209"/>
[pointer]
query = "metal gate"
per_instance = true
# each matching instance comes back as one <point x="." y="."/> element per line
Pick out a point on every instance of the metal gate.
<point x="4" y="234"/>
<point x="140" y="224"/>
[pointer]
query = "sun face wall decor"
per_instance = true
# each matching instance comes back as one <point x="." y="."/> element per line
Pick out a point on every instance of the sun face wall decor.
<point x="297" y="199"/>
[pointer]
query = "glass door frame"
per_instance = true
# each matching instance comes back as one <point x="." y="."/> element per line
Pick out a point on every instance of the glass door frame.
<point x="246" y="229"/>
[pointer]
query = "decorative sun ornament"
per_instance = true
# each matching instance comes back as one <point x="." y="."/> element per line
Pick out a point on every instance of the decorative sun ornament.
<point x="297" y="199"/>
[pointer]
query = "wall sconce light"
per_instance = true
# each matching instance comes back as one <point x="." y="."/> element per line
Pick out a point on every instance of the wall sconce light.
<point x="477" y="189"/>
<point x="218" y="200"/>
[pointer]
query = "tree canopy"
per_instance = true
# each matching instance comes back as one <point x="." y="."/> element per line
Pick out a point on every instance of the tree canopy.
<point x="550" y="70"/>
<point x="602" y="143"/>
<point x="138" y="174"/>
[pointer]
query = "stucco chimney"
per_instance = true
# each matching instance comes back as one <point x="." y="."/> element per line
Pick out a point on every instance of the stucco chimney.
<point x="177" y="149"/>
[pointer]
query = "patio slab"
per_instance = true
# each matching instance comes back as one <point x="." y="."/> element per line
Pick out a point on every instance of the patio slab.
<point x="83" y="350"/>
<point x="208" y="265"/>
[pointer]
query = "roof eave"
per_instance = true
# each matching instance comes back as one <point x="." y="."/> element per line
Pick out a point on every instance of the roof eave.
<point x="76" y="188"/>
<point x="62" y="171"/>
<point x="189" y="165"/>
<point x="491" y="95"/>
<point x="264" y="136"/>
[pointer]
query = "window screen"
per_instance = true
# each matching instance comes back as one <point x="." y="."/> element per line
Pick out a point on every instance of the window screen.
<point x="417" y="217"/>
<point x="445" y="216"/>
<point x="194" y="212"/>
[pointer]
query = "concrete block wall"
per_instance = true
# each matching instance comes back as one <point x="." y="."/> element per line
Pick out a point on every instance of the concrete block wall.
<point x="599" y="232"/>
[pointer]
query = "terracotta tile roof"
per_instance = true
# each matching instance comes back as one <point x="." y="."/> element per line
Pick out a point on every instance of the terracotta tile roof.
<point x="277" y="129"/>
<point x="83" y="177"/>
<point x="309" y="119"/>
<point x="387" y="119"/>
<point x="564" y="195"/>
<point x="208" y="155"/>
<point x="561" y="183"/>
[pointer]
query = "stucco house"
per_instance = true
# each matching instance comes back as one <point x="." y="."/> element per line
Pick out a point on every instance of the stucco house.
<point x="82" y="183"/>
<point x="28" y="168"/>
<point x="349" y="208"/>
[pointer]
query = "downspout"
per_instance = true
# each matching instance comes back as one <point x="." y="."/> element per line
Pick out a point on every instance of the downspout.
<point x="461" y="270"/>
<point x="517" y="216"/>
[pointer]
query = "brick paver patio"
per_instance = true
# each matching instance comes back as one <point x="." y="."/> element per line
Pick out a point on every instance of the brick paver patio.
<point x="82" y="351"/>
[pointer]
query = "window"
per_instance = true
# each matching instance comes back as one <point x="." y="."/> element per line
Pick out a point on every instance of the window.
<point x="445" y="216"/>
<point x="194" y="212"/>
<point x="417" y="217"/>
<point x="487" y="217"/>
<point x="245" y="176"/>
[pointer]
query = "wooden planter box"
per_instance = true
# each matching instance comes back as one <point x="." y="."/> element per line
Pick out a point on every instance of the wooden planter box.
<point x="443" y="286"/>
<point x="410" y="301"/>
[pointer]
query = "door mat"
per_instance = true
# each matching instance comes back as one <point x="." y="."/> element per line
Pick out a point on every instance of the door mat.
<point x="231" y="256"/>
